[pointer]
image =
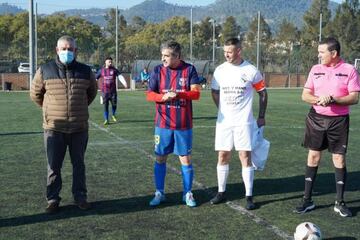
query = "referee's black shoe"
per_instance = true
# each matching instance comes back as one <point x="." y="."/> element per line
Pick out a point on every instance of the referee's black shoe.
<point x="305" y="206"/>
<point x="219" y="198"/>
<point x="342" y="209"/>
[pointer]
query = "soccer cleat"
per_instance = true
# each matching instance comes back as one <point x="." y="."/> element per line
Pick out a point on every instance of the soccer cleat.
<point x="188" y="198"/>
<point x="305" y="206"/>
<point x="249" y="203"/>
<point x="52" y="207"/>
<point x="342" y="209"/>
<point x="159" y="197"/>
<point x="114" y="118"/>
<point x="106" y="122"/>
<point x="219" y="198"/>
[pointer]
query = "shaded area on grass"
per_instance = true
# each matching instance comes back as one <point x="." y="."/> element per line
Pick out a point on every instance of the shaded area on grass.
<point x="115" y="206"/>
<point x="20" y="133"/>
<point x="324" y="185"/>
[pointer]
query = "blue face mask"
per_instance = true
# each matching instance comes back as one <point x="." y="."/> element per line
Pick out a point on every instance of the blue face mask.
<point x="66" y="56"/>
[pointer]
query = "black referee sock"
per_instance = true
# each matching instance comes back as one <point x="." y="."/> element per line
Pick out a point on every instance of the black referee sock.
<point x="310" y="176"/>
<point x="340" y="178"/>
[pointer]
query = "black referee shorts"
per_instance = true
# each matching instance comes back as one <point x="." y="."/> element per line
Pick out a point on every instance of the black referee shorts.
<point x="326" y="132"/>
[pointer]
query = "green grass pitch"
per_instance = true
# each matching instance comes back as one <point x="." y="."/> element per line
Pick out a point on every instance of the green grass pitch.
<point x="119" y="165"/>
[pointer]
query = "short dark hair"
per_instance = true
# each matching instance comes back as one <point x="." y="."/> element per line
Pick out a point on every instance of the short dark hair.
<point x="333" y="44"/>
<point x="108" y="58"/>
<point x="233" y="41"/>
<point x="174" y="46"/>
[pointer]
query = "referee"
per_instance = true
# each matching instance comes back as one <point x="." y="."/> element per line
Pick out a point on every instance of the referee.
<point x="331" y="88"/>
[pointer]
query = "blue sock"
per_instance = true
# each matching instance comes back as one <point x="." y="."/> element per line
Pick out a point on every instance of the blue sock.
<point x="106" y="115"/>
<point x="159" y="176"/>
<point x="113" y="110"/>
<point x="187" y="175"/>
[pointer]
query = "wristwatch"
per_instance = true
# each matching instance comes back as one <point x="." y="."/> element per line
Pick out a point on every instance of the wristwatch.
<point x="332" y="100"/>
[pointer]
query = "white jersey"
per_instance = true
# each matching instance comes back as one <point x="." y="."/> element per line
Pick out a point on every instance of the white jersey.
<point x="236" y="84"/>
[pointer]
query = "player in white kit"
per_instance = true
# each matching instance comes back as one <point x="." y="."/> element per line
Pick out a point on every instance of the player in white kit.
<point x="232" y="86"/>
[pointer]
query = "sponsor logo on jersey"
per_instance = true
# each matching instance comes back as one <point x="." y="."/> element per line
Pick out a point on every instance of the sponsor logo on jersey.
<point x="244" y="78"/>
<point x="182" y="82"/>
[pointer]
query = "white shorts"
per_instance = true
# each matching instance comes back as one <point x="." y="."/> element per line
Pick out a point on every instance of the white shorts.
<point x="228" y="137"/>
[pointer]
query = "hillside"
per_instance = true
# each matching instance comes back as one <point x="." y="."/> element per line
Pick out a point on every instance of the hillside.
<point x="243" y="10"/>
<point x="6" y="8"/>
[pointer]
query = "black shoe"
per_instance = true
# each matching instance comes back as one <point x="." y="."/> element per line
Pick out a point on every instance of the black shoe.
<point x="83" y="205"/>
<point x="52" y="207"/>
<point x="249" y="203"/>
<point x="342" y="209"/>
<point x="305" y="206"/>
<point x="219" y="198"/>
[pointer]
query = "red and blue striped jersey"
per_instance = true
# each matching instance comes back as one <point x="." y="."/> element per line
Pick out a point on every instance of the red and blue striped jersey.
<point x="108" y="83"/>
<point x="176" y="114"/>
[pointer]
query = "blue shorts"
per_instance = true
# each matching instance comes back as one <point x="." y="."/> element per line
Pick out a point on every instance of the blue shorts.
<point x="169" y="141"/>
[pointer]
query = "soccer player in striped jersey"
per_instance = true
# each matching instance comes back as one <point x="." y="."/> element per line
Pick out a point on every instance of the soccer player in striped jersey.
<point x="109" y="74"/>
<point x="232" y="86"/>
<point x="172" y="86"/>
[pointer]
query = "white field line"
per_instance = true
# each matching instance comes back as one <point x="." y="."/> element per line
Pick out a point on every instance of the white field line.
<point x="135" y="146"/>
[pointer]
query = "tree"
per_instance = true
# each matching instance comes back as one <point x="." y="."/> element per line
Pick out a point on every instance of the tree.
<point x="110" y="41"/>
<point x="203" y="34"/>
<point x="345" y="26"/>
<point x="311" y="30"/>
<point x="146" y="43"/>
<point x="19" y="35"/>
<point x="138" y="22"/>
<point x="111" y="22"/>
<point x="250" y="43"/>
<point x="288" y="34"/>
<point x="7" y="36"/>
<point x="52" y="27"/>
<point x="286" y="39"/>
<point x="230" y="29"/>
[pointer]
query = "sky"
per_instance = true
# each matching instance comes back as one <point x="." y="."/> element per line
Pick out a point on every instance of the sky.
<point x="50" y="6"/>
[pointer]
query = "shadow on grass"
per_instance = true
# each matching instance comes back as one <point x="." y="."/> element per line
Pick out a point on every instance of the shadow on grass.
<point x="325" y="184"/>
<point x="20" y="133"/>
<point x="340" y="238"/>
<point x="115" y="206"/>
<point x="150" y="120"/>
<point x="205" y="118"/>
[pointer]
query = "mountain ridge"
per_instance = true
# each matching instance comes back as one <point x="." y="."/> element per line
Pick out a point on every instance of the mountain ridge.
<point x="155" y="11"/>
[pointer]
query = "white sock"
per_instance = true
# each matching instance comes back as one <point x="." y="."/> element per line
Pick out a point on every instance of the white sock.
<point x="248" y="179"/>
<point x="222" y="174"/>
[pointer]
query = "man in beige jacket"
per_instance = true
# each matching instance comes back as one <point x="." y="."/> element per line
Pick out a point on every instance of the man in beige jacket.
<point x="64" y="88"/>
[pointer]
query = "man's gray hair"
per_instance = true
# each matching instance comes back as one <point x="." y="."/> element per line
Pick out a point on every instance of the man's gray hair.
<point x="68" y="39"/>
<point x="174" y="46"/>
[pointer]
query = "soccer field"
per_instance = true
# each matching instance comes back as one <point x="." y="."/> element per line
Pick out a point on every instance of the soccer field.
<point x="119" y="165"/>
